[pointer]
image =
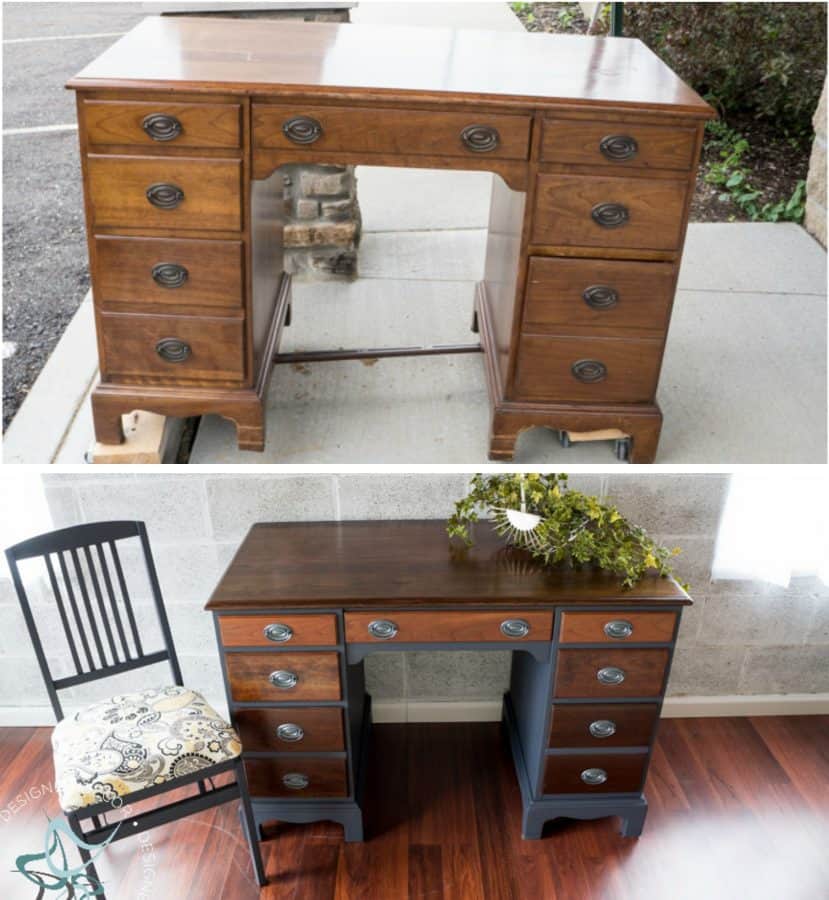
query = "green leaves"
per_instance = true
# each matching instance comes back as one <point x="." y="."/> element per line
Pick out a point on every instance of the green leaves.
<point x="575" y="528"/>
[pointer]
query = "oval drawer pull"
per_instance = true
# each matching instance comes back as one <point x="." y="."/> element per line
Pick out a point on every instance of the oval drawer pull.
<point x="302" y="130"/>
<point x="382" y="629"/>
<point x="589" y="371"/>
<point x="278" y="632"/>
<point x="618" y="629"/>
<point x="610" y="215"/>
<point x="611" y="675"/>
<point x="173" y="350"/>
<point x="295" y="781"/>
<point x="161" y="127"/>
<point x="515" y="628"/>
<point x="165" y="196"/>
<point x="169" y="275"/>
<point x="594" y="776"/>
<point x="480" y="138"/>
<point x="602" y="728"/>
<point x="283" y="679"/>
<point x="618" y="147"/>
<point x="600" y="296"/>
<point x="290" y="733"/>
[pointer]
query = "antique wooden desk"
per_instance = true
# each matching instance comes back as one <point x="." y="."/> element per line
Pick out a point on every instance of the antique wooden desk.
<point x="302" y="605"/>
<point x="185" y="122"/>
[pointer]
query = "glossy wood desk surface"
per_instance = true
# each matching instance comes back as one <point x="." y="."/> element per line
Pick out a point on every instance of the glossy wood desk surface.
<point x="408" y="563"/>
<point x="210" y="54"/>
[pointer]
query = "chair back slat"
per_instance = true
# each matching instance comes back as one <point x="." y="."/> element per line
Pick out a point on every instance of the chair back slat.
<point x="90" y="590"/>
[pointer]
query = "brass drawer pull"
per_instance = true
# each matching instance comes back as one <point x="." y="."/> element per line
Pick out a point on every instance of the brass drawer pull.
<point x="278" y="632"/>
<point x="589" y="371"/>
<point x="618" y="629"/>
<point x="618" y="147"/>
<point x="382" y="629"/>
<point x="480" y="138"/>
<point x="610" y="215"/>
<point x="602" y="728"/>
<point x="302" y="130"/>
<point x="165" y="196"/>
<point x="169" y="275"/>
<point x="611" y="675"/>
<point x="161" y="127"/>
<point x="515" y="628"/>
<point x="594" y="776"/>
<point x="283" y="679"/>
<point x="173" y="350"/>
<point x="290" y="733"/>
<point x="295" y="781"/>
<point x="600" y="296"/>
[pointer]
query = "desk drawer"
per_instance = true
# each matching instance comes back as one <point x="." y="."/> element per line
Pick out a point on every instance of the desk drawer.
<point x="616" y="627"/>
<point x="278" y="631"/>
<point x="182" y="348"/>
<point x="610" y="673"/>
<point x="587" y="369"/>
<point x="283" y="676"/>
<point x="594" y="773"/>
<point x="160" y="124"/>
<point x="291" y="729"/>
<point x="326" y="128"/>
<point x="616" y="297"/>
<point x="620" y="145"/>
<point x="165" y="192"/>
<point x="594" y="211"/>
<point x="500" y="627"/>
<point x="611" y="725"/>
<point x="300" y="777"/>
<point x="168" y="272"/>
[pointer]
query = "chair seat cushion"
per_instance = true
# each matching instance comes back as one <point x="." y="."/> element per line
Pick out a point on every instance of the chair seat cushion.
<point x="135" y="741"/>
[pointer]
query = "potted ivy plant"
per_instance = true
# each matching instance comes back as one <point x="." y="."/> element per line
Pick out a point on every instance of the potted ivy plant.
<point x="559" y="526"/>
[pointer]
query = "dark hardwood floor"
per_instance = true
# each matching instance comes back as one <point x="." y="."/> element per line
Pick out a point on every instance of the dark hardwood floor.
<point x="739" y="808"/>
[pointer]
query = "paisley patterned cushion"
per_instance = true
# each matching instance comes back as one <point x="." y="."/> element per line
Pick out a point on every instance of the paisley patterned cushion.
<point x="135" y="741"/>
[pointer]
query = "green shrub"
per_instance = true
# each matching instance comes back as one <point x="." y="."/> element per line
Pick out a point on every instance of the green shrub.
<point x="764" y="59"/>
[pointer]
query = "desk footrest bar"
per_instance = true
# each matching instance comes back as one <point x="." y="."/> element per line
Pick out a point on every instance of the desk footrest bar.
<point x="376" y="353"/>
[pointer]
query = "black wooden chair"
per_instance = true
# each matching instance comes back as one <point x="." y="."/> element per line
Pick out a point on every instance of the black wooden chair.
<point x="136" y="745"/>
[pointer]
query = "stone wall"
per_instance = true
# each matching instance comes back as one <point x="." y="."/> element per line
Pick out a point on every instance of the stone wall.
<point x="815" y="221"/>
<point x="740" y="637"/>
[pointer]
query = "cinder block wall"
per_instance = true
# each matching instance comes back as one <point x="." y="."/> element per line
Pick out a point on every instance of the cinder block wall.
<point x="740" y="637"/>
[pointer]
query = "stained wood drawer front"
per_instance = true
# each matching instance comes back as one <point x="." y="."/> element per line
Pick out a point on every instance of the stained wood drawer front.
<point x="183" y="348"/>
<point x="594" y="211"/>
<point x="300" y="777"/>
<point x="391" y="131"/>
<point x="291" y="729"/>
<point x="506" y="626"/>
<point x="278" y="631"/>
<point x="610" y="673"/>
<point x="617" y="297"/>
<point x="616" y="627"/>
<point x="590" y="369"/>
<point x="594" y="773"/>
<point x="165" y="192"/>
<point x="160" y="124"/>
<point x="168" y="272"/>
<point x="611" y="725"/>
<point x="619" y="145"/>
<point x="283" y="676"/>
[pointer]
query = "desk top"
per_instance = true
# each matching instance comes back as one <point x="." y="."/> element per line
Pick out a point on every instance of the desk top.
<point x="406" y="564"/>
<point x="337" y="60"/>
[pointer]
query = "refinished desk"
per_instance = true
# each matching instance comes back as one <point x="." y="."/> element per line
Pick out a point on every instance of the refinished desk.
<point x="185" y="122"/>
<point x="302" y="605"/>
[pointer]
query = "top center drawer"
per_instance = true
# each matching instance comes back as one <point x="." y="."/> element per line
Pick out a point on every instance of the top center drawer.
<point x="359" y="129"/>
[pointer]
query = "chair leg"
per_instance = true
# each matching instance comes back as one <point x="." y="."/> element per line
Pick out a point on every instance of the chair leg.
<point x="86" y="856"/>
<point x="249" y="824"/>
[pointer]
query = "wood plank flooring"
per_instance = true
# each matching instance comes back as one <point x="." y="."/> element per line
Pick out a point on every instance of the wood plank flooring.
<point x="739" y="808"/>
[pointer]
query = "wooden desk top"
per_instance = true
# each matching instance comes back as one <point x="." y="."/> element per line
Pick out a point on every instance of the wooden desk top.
<point x="336" y="60"/>
<point x="405" y="564"/>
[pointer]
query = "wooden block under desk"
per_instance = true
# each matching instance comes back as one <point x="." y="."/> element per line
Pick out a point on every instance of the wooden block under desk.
<point x="441" y="626"/>
<point x="292" y="630"/>
<point x="317" y="676"/>
<point x="577" y="673"/>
